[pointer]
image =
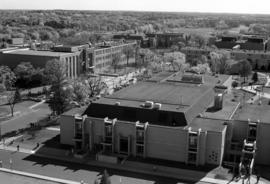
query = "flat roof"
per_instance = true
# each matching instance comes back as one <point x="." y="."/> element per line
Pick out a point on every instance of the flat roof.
<point x="180" y="103"/>
<point x="75" y="111"/>
<point x="209" y="80"/>
<point x="206" y="124"/>
<point x="254" y="113"/>
<point x="226" y="113"/>
<point x="165" y="93"/>
<point x="39" y="53"/>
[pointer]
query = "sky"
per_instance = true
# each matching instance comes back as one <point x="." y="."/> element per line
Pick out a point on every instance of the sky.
<point x="222" y="6"/>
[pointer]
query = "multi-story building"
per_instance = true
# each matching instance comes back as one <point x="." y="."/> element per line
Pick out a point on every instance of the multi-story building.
<point x="101" y="55"/>
<point x="71" y="59"/>
<point x="157" y="119"/>
<point x="164" y="40"/>
<point x="246" y="42"/>
<point x="77" y="59"/>
<point x="193" y="53"/>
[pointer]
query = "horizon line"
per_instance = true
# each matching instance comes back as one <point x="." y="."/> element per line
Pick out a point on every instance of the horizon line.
<point x="146" y="11"/>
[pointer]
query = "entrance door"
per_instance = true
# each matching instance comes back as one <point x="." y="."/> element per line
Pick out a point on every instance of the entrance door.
<point x="124" y="145"/>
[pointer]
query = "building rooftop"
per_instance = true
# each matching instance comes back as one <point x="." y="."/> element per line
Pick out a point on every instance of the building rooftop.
<point x="164" y="93"/>
<point x="206" y="124"/>
<point x="209" y="80"/>
<point x="254" y="113"/>
<point x="180" y="103"/>
<point x="226" y="113"/>
<point x="38" y="53"/>
<point x="75" y="111"/>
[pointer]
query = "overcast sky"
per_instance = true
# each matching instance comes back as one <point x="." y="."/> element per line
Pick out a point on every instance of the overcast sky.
<point x="229" y="6"/>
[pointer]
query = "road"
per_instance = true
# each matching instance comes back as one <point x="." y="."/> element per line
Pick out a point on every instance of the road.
<point x="73" y="171"/>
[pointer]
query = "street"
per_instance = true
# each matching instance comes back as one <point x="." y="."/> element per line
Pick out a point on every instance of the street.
<point x="73" y="171"/>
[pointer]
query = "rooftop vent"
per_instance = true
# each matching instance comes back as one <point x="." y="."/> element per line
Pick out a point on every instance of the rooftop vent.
<point x="149" y="104"/>
<point x="157" y="106"/>
<point x="117" y="103"/>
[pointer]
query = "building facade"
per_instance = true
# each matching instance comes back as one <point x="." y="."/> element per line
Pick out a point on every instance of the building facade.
<point x="156" y="120"/>
<point x="101" y="56"/>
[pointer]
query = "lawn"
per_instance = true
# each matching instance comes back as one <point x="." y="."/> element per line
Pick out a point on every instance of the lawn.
<point x="25" y="116"/>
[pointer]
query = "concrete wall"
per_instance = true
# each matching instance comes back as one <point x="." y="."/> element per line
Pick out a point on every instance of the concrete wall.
<point x="67" y="124"/>
<point x="263" y="145"/>
<point x="214" y="147"/>
<point x="166" y="143"/>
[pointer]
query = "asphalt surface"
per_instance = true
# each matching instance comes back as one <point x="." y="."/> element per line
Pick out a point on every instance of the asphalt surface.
<point x="8" y="178"/>
<point x="74" y="171"/>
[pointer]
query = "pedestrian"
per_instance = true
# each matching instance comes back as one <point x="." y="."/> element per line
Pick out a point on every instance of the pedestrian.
<point x="18" y="147"/>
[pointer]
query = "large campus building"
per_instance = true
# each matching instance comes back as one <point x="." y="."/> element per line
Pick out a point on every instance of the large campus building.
<point x="77" y="59"/>
<point x="182" y="118"/>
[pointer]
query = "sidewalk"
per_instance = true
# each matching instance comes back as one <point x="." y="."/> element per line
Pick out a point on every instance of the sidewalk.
<point x="143" y="168"/>
<point x="37" y="176"/>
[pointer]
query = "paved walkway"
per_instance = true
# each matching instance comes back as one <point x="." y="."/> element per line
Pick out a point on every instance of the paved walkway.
<point x="37" y="176"/>
<point x="182" y="174"/>
<point x="137" y="167"/>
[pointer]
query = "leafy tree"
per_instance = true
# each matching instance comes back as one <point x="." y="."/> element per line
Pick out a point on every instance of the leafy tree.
<point x="116" y="58"/>
<point x="80" y="91"/>
<point x="244" y="69"/>
<point x="61" y="91"/>
<point x="37" y="78"/>
<point x="24" y="72"/>
<point x="105" y="179"/>
<point x="175" y="59"/>
<point x="234" y="84"/>
<point x="199" y="40"/>
<point x="13" y="98"/>
<point x="255" y="77"/>
<point x="128" y="52"/>
<point x="7" y="77"/>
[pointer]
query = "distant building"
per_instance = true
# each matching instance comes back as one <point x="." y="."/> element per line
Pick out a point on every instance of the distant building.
<point x="140" y="38"/>
<point x="100" y="57"/>
<point x="164" y="40"/>
<point x="78" y="59"/>
<point x="246" y="42"/>
<point x="193" y="53"/>
<point x="38" y="59"/>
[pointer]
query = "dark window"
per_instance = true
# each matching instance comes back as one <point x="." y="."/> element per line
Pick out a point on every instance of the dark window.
<point x="124" y="145"/>
<point x="162" y="117"/>
<point x="139" y="150"/>
<point x="192" y="157"/>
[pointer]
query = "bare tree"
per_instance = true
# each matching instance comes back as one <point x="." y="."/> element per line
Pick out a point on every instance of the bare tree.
<point x="128" y="52"/>
<point x="13" y="98"/>
<point x="116" y="58"/>
<point x="96" y="86"/>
